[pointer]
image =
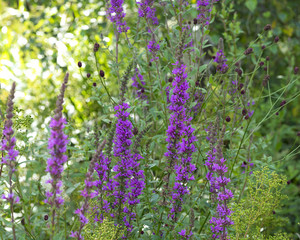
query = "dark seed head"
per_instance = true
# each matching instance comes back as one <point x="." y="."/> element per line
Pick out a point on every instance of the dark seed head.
<point x="274" y="212"/>
<point x="150" y="64"/>
<point x="142" y="90"/>
<point x="277" y="113"/>
<point x="282" y="103"/>
<point x="261" y="64"/>
<point x="170" y="79"/>
<point x="101" y="73"/>
<point x="96" y="47"/>
<point x="189" y="22"/>
<point x="267" y="58"/>
<point x="23" y="221"/>
<point x="135" y="131"/>
<point x="267" y="27"/>
<point x="241" y="86"/>
<point x="298" y="134"/>
<point x="263" y="47"/>
<point x="247" y="117"/>
<point x="243" y="92"/>
<point x="244" y="112"/>
<point x="276" y="39"/>
<point x="265" y="69"/>
<point x="227" y="119"/>
<point x="79" y="64"/>
<point x="88" y="75"/>
<point x="288" y="182"/>
<point x="296" y="70"/>
<point x="46" y="217"/>
<point x="195" y="21"/>
<point x="142" y="232"/>
<point x="95" y="84"/>
<point x="248" y="51"/>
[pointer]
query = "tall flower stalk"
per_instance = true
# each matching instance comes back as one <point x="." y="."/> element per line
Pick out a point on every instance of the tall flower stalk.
<point x="128" y="182"/>
<point x="57" y="145"/>
<point x="180" y="139"/>
<point x="8" y="146"/>
<point x="87" y="193"/>
<point x="147" y="11"/>
<point x="204" y="9"/>
<point x="116" y="15"/>
<point x="216" y="177"/>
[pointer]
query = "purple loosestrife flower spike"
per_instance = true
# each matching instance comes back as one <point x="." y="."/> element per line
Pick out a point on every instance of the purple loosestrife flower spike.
<point x="153" y="48"/>
<point x="8" y="146"/>
<point x="220" y="58"/>
<point x="116" y="15"/>
<point x="216" y="177"/>
<point x="180" y="139"/>
<point x="139" y="85"/>
<point x="86" y="193"/>
<point x="128" y="182"/>
<point x="147" y="11"/>
<point x="204" y="8"/>
<point x="57" y="146"/>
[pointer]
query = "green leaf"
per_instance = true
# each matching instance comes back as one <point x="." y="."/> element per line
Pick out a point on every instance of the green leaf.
<point x="251" y="5"/>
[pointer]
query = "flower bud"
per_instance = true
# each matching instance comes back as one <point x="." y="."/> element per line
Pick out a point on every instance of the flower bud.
<point x="101" y="73"/>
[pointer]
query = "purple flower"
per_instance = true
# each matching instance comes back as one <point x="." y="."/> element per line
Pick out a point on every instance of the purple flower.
<point x="216" y="176"/>
<point x="147" y="11"/>
<point x="204" y="8"/>
<point x="247" y="165"/>
<point x="183" y="234"/>
<point x="127" y="184"/>
<point x="220" y="58"/>
<point x="180" y="138"/>
<point x="86" y="193"/>
<point x="139" y="84"/>
<point x="153" y="48"/>
<point x="7" y="147"/>
<point x="57" y="145"/>
<point x="116" y="15"/>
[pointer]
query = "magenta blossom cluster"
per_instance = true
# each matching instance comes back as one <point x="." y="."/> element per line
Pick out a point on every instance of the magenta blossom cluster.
<point x="204" y="8"/>
<point x="116" y="15"/>
<point x="147" y="11"/>
<point x="57" y="145"/>
<point x="180" y="138"/>
<point x="220" y="58"/>
<point x="139" y="85"/>
<point x="7" y="147"/>
<point x="128" y="182"/>
<point x="184" y="234"/>
<point x="216" y="177"/>
<point x="153" y="48"/>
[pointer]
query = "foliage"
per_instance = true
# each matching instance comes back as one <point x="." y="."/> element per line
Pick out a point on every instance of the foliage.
<point x="100" y="230"/>
<point x="255" y="214"/>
